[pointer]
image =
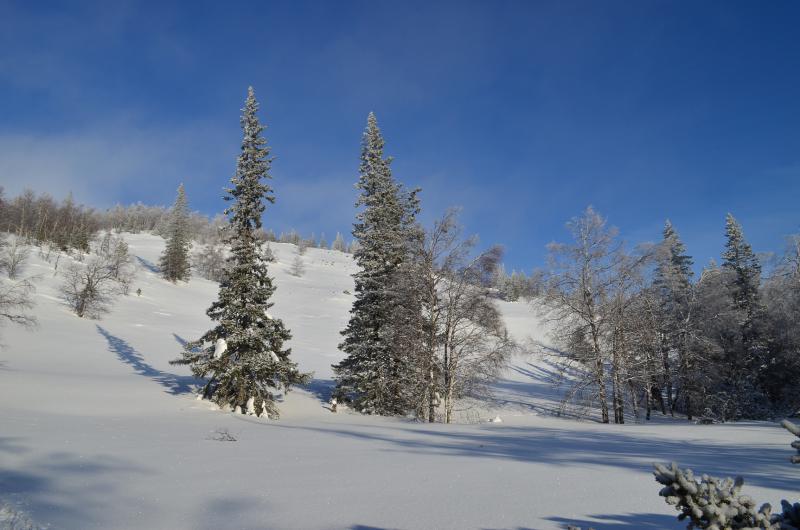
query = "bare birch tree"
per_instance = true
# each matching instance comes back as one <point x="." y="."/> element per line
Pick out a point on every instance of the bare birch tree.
<point x="466" y="343"/>
<point x="579" y="288"/>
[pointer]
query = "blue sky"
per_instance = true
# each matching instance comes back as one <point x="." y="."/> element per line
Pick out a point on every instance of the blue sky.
<point x="523" y="113"/>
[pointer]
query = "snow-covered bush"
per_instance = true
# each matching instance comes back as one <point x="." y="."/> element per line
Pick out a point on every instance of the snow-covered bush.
<point x="13" y="257"/>
<point x="113" y="251"/>
<point x="16" y="299"/>
<point x="89" y="288"/>
<point x="718" y="504"/>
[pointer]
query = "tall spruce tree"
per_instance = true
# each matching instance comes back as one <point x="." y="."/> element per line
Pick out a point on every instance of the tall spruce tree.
<point x="673" y="283"/>
<point x="375" y="375"/>
<point x="745" y="352"/>
<point x="244" y="355"/>
<point x="174" y="261"/>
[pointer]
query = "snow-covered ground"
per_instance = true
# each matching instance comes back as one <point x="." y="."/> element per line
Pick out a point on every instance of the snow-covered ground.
<point x="98" y="431"/>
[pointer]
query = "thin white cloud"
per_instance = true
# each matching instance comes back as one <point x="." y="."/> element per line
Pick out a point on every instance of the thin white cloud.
<point x="106" y="164"/>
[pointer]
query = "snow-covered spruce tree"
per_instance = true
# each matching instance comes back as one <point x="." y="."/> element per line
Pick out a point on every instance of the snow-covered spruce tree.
<point x="174" y="261"/>
<point x="373" y="376"/>
<point x="740" y="260"/>
<point x="338" y="243"/>
<point x="244" y="355"/>
<point x="718" y="504"/>
<point x="781" y="295"/>
<point x="673" y="286"/>
<point x="297" y="268"/>
<point x="744" y="346"/>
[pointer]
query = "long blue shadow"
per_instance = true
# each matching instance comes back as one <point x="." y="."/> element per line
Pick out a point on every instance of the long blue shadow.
<point x="174" y="384"/>
<point x="322" y="389"/>
<point x="765" y="466"/>
<point x="149" y="265"/>
<point x="628" y="521"/>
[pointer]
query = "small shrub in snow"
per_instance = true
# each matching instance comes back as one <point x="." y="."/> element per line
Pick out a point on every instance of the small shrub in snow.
<point x="13" y="519"/>
<point x="222" y="435"/>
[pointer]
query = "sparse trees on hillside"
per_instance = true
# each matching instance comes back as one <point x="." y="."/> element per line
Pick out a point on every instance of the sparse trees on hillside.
<point x="174" y="261"/>
<point x="722" y="347"/>
<point x="40" y="220"/>
<point x="244" y="355"/>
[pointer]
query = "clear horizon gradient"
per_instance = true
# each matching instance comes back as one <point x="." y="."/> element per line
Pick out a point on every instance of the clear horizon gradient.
<point x="522" y="113"/>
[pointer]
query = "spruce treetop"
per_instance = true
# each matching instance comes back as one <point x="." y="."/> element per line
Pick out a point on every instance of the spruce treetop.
<point x="254" y="164"/>
<point x="738" y="253"/>
<point x="679" y="262"/>
<point x="742" y="262"/>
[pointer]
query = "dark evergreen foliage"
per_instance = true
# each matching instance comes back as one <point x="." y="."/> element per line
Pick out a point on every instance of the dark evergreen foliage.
<point x="244" y="356"/>
<point x="375" y="375"/>
<point x="174" y="261"/>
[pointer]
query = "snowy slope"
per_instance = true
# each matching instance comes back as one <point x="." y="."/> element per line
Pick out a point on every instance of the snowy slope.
<point x="98" y="431"/>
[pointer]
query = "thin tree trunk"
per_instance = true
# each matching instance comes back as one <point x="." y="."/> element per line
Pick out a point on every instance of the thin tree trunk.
<point x="667" y="377"/>
<point x="600" y="379"/>
<point x="431" y="395"/>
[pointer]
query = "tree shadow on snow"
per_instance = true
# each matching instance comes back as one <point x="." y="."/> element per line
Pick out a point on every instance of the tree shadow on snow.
<point x="232" y="512"/>
<point x="543" y="391"/>
<point x="174" y="384"/>
<point x="764" y="466"/>
<point x="180" y="340"/>
<point x="322" y="389"/>
<point x="149" y="265"/>
<point x="645" y="521"/>
<point x="45" y="485"/>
